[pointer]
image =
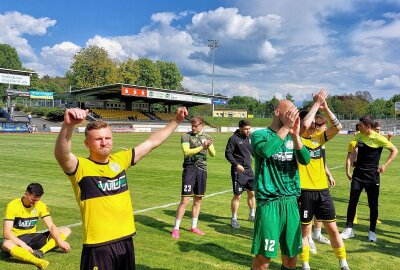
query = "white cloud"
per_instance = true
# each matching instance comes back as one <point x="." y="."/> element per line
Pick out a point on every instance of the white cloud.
<point x="388" y="82"/>
<point x="15" y="25"/>
<point x="113" y="47"/>
<point x="164" y="17"/>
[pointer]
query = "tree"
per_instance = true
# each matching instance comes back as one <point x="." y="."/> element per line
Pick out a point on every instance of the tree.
<point x="149" y="74"/>
<point x="57" y="84"/>
<point x="289" y="97"/>
<point x="171" y="77"/>
<point x="92" y="67"/>
<point x="129" y="71"/>
<point x="9" y="57"/>
<point x="377" y="108"/>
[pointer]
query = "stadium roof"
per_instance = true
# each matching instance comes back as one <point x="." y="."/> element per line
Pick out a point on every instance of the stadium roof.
<point x="16" y="71"/>
<point x="135" y="93"/>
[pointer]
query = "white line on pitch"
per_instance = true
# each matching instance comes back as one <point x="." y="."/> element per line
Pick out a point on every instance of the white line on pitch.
<point x="155" y="207"/>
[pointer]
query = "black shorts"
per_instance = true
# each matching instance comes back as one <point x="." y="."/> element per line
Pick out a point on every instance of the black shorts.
<point x="316" y="203"/>
<point x="35" y="240"/>
<point x="194" y="181"/>
<point x="241" y="182"/>
<point x="115" y="256"/>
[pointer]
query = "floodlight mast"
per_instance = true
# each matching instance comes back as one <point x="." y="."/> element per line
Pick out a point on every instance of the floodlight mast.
<point x="213" y="44"/>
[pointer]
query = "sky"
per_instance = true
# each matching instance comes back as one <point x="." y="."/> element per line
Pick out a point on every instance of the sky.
<point x="266" y="47"/>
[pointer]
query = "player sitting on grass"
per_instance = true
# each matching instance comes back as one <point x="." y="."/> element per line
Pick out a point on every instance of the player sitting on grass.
<point x="21" y="240"/>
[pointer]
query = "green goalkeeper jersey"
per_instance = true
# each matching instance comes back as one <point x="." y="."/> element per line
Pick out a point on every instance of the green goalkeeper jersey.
<point x="276" y="173"/>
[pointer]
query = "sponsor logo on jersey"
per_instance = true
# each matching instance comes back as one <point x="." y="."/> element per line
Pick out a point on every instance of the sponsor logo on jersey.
<point x="25" y="223"/>
<point x="112" y="185"/>
<point x="283" y="156"/>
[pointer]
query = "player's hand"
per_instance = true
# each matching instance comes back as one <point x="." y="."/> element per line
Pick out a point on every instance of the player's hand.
<point x="207" y="143"/>
<point x="75" y="116"/>
<point x="349" y="176"/>
<point x="331" y="181"/>
<point x="64" y="245"/>
<point x="181" y="114"/>
<point x="240" y="168"/>
<point x="382" y="169"/>
<point x="25" y="246"/>
<point x="290" y="117"/>
<point x="296" y="127"/>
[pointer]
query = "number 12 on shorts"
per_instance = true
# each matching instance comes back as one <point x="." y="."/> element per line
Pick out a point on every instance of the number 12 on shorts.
<point x="269" y="245"/>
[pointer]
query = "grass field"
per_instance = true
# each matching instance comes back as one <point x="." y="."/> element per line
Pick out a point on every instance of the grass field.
<point x="155" y="182"/>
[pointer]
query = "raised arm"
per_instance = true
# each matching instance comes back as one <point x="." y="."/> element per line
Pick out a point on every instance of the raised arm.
<point x="335" y="127"/>
<point x="319" y="99"/>
<point x="62" y="150"/>
<point x="302" y="154"/>
<point x="158" y="137"/>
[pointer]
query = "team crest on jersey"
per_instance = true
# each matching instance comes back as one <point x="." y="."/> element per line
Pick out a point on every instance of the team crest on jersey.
<point x="289" y="144"/>
<point x="115" y="167"/>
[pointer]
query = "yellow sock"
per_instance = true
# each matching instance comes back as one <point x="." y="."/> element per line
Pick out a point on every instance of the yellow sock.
<point x="305" y="255"/>
<point x="340" y="253"/>
<point x="51" y="243"/>
<point x="24" y="255"/>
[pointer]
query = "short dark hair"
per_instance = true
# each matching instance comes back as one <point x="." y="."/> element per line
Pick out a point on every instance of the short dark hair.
<point x="244" y="123"/>
<point x="35" y="189"/>
<point x="376" y="125"/>
<point x="357" y="129"/>
<point x="96" y="125"/>
<point x="197" y="119"/>
<point x="367" y="121"/>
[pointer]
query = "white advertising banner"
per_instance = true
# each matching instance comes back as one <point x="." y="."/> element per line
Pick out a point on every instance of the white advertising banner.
<point x="158" y="94"/>
<point x="201" y="99"/>
<point x="182" y="97"/>
<point x="15" y="79"/>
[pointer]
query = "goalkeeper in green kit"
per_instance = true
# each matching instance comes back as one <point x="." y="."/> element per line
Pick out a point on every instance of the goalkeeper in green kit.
<point x="277" y="187"/>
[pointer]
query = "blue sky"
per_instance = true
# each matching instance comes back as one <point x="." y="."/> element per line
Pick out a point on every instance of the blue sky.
<point x="268" y="47"/>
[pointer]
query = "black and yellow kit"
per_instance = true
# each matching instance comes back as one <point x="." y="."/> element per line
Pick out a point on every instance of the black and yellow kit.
<point x="101" y="191"/>
<point x="25" y="218"/>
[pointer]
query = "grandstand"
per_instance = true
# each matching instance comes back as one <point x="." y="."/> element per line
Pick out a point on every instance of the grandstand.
<point x="119" y="114"/>
<point x="129" y="107"/>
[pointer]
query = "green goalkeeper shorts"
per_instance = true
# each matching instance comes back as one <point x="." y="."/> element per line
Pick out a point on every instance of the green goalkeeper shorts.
<point x="277" y="222"/>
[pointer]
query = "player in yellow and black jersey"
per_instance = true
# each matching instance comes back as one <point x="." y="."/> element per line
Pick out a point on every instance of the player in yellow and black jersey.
<point x="366" y="174"/>
<point x="315" y="199"/>
<point x="21" y="240"/>
<point x="101" y="189"/>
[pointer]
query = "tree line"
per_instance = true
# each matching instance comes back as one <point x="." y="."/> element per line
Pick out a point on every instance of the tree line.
<point x="346" y="106"/>
<point x="93" y="67"/>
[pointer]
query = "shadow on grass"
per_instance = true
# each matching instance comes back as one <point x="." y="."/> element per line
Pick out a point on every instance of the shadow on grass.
<point x="6" y="257"/>
<point x="153" y="223"/>
<point x="144" y="267"/>
<point x="222" y="253"/>
<point x="202" y="216"/>
<point x="217" y="251"/>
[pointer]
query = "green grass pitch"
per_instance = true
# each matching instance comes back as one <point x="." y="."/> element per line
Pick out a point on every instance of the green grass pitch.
<point x="156" y="182"/>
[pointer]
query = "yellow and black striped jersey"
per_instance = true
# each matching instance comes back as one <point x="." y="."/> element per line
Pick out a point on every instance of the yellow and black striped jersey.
<point x="313" y="176"/>
<point x="25" y="218"/>
<point x="101" y="191"/>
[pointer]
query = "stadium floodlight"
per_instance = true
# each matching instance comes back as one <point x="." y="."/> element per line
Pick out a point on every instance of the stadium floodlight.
<point x="213" y="44"/>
